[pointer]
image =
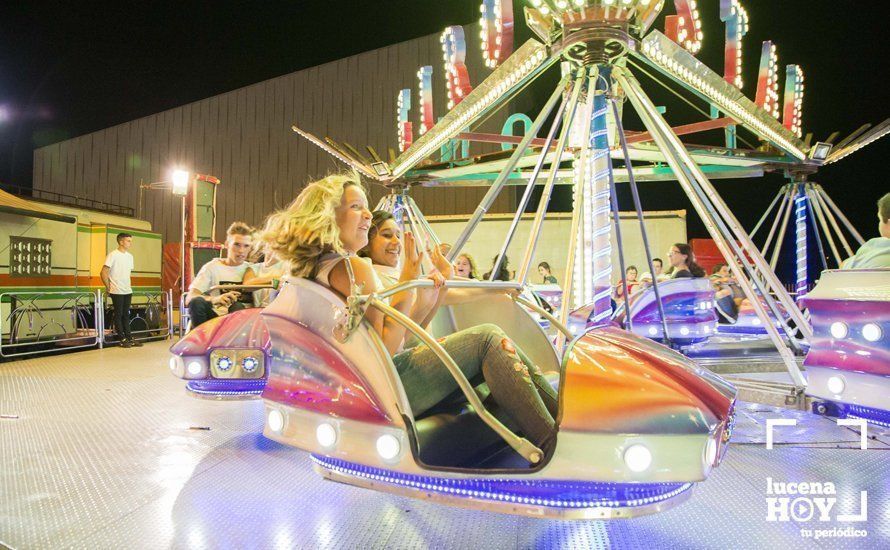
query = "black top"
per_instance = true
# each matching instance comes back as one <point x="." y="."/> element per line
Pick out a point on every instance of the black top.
<point x="682" y="274"/>
<point x="550" y="279"/>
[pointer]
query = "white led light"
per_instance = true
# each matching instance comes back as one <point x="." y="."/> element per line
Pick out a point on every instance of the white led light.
<point x="684" y="331"/>
<point x="872" y="332"/>
<point x="224" y="363"/>
<point x="755" y="321"/>
<point x="839" y="330"/>
<point x="388" y="446"/>
<point x="638" y="458"/>
<point x="710" y="452"/>
<point x="326" y="434"/>
<point x="173" y="363"/>
<point x="275" y="420"/>
<point x="652" y="331"/>
<point x="195" y="368"/>
<point x="249" y="364"/>
<point x="836" y="385"/>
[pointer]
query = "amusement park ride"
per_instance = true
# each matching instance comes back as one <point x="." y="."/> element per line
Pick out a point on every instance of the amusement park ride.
<point x="638" y="423"/>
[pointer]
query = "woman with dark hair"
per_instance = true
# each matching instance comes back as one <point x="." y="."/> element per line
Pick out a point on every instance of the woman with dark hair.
<point x="545" y="272"/>
<point x="683" y="262"/>
<point x="503" y="273"/>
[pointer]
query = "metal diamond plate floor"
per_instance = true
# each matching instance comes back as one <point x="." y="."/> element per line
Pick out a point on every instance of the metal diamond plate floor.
<point x="104" y="449"/>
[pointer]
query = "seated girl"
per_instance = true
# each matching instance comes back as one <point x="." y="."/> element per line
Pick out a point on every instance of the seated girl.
<point x="325" y="227"/>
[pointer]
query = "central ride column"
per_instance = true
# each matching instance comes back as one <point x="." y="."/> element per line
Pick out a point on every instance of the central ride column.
<point x="597" y="253"/>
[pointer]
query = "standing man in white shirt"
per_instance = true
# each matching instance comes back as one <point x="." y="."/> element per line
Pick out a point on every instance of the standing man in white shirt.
<point x="115" y="276"/>
<point x="221" y="271"/>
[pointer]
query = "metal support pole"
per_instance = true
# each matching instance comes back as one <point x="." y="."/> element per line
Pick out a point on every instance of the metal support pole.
<point x="613" y="193"/>
<point x="529" y="186"/>
<point x="569" y="275"/>
<point x="833" y="222"/>
<point x="182" y="288"/>
<point x="768" y="210"/>
<point x="99" y="318"/>
<point x="638" y="206"/>
<point x="425" y="224"/>
<point x="817" y="208"/>
<point x="502" y="177"/>
<point x="840" y="214"/>
<point x="780" y="241"/>
<point x="685" y="171"/>
<point x="812" y="218"/>
<point x="537" y="223"/>
<point x="733" y="234"/>
<point x="786" y="198"/>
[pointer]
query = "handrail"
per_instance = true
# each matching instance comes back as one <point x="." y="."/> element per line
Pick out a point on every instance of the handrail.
<point x="521" y="445"/>
<point x="225" y="288"/>
<point x="545" y="314"/>
<point x="426" y="283"/>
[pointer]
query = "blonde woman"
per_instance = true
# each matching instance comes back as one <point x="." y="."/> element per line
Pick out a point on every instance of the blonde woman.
<point x="325" y="227"/>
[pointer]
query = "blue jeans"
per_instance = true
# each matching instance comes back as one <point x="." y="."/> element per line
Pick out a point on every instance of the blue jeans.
<point x="483" y="353"/>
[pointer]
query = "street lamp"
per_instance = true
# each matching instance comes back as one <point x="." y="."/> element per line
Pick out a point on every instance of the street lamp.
<point x="180" y="183"/>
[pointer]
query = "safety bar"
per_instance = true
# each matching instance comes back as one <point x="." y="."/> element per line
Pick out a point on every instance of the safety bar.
<point x="229" y="288"/>
<point x="521" y="445"/>
<point x="545" y="314"/>
<point x="426" y="283"/>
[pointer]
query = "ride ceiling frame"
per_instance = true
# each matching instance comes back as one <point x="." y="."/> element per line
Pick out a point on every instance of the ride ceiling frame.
<point x="599" y="49"/>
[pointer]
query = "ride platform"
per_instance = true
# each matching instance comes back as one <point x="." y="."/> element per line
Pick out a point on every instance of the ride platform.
<point x="104" y="449"/>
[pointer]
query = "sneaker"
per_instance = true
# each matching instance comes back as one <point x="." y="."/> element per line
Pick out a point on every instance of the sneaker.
<point x="136" y="343"/>
<point x="126" y="344"/>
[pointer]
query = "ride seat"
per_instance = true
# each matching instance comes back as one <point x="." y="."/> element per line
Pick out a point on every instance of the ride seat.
<point x="499" y="309"/>
<point x="444" y="433"/>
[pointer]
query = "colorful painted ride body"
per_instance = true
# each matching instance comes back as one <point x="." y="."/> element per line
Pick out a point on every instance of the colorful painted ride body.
<point x="848" y="364"/>
<point x="342" y="401"/>
<point x="225" y="357"/>
<point x="688" y="305"/>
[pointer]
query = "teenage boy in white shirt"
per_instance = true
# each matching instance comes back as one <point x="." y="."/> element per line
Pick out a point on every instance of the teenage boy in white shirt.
<point x="221" y="271"/>
<point x="115" y="276"/>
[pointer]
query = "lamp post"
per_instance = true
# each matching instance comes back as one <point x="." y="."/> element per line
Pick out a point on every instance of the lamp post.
<point x="180" y="189"/>
<point x="178" y="184"/>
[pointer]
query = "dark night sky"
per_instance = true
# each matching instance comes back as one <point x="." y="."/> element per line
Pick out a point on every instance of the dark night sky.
<point x="67" y="69"/>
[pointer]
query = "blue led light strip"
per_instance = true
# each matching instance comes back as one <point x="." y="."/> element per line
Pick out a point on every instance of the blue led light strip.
<point x="538" y="492"/>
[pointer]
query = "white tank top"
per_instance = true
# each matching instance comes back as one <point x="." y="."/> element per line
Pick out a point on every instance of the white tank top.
<point x="327" y="263"/>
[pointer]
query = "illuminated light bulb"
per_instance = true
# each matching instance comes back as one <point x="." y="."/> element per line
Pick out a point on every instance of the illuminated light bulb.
<point x="835" y="385"/>
<point x="710" y="452"/>
<point x="326" y="435"/>
<point x="173" y="363"/>
<point x="638" y="458"/>
<point x="195" y="368"/>
<point x="388" y="446"/>
<point x="275" y="420"/>
<point x="872" y="332"/>
<point x="838" y="330"/>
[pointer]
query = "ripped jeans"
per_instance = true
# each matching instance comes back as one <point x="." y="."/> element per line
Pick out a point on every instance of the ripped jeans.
<point x="483" y="353"/>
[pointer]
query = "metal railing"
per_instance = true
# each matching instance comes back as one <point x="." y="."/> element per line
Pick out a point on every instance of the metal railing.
<point x="24" y="308"/>
<point x="70" y="200"/>
<point x="41" y="322"/>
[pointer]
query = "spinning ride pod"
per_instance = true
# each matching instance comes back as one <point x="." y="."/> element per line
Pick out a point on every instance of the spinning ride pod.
<point x="225" y="358"/>
<point x="638" y="424"/>
<point x="848" y="364"/>
<point x="688" y="306"/>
